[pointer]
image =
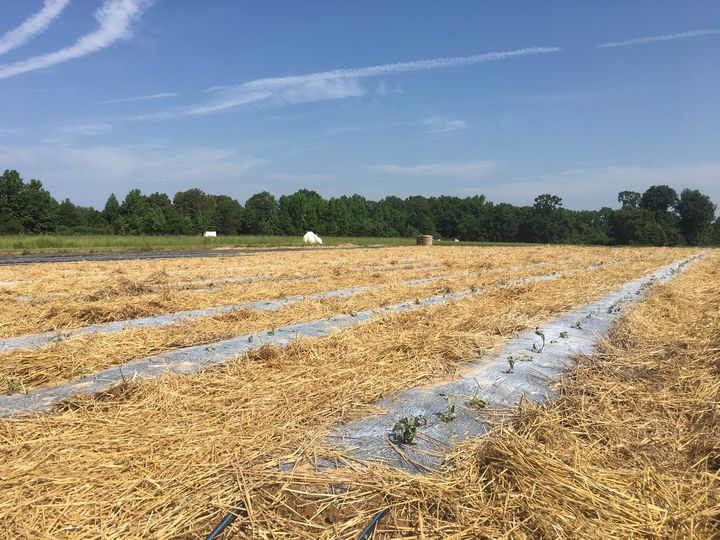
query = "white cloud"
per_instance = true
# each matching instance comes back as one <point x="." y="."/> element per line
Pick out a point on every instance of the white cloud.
<point x="86" y="129"/>
<point x="453" y="169"/>
<point x="384" y="90"/>
<point x="33" y="25"/>
<point x="327" y="85"/>
<point x="339" y="130"/>
<point x="141" y="98"/>
<point x="438" y="125"/>
<point x="300" y="177"/>
<point x="653" y="39"/>
<point x="114" y="20"/>
<point x="557" y="97"/>
<point x="87" y="174"/>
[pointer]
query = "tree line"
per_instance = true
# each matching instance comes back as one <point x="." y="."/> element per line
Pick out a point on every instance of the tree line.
<point x="658" y="217"/>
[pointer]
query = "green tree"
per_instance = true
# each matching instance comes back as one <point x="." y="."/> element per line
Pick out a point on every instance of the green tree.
<point x="11" y="188"/>
<point x="547" y="203"/>
<point x="356" y="208"/>
<point x="159" y="200"/>
<point x="301" y="212"/>
<point x="446" y="213"/>
<point x="629" y="199"/>
<point x="346" y="216"/>
<point x="637" y="226"/>
<point x="420" y="220"/>
<point x="261" y="214"/>
<point x="133" y="210"/>
<point x="196" y="205"/>
<point x="662" y="202"/>
<point x="390" y="217"/>
<point x="112" y="209"/>
<point x="38" y="210"/>
<point x="505" y="219"/>
<point x="481" y="213"/>
<point x="548" y="223"/>
<point x="715" y="232"/>
<point x="696" y="216"/>
<point x="228" y="216"/>
<point x="69" y="216"/>
<point x="659" y="199"/>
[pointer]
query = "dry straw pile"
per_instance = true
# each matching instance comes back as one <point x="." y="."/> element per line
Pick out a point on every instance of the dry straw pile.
<point x="630" y="449"/>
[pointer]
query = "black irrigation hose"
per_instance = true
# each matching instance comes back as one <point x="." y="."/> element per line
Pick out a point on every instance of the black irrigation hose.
<point x="371" y="526"/>
<point x="227" y="520"/>
<point x="241" y="508"/>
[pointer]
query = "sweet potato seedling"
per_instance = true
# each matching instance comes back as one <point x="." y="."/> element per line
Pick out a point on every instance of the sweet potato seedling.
<point x="405" y="429"/>
<point x="537" y="346"/>
<point x="449" y="414"/>
<point x="475" y="400"/>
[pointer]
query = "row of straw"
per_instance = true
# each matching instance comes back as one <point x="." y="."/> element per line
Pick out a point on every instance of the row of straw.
<point x="24" y="370"/>
<point x="46" y="297"/>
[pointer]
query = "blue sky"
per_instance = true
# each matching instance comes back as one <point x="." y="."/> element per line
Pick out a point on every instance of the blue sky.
<point x="504" y="98"/>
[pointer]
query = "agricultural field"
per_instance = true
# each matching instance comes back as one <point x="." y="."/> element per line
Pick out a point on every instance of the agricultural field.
<point x="425" y="392"/>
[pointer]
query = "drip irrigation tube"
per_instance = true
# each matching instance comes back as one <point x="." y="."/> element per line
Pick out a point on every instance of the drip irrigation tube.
<point x="227" y="520"/>
<point x="371" y="526"/>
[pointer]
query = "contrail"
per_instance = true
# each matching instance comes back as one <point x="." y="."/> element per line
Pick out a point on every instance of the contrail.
<point x="33" y="25"/>
<point x="653" y="39"/>
<point x="141" y="98"/>
<point x="114" y="20"/>
<point x="325" y="85"/>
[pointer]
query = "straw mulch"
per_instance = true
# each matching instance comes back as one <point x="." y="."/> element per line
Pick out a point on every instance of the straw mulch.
<point x="49" y="297"/>
<point x="631" y="449"/>
<point x="166" y="458"/>
<point x="24" y="370"/>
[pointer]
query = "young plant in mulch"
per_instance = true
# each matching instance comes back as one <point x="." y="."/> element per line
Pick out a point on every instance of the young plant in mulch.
<point x="511" y="363"/>
<point x="405" y="429"/>
<point x="60" y="336"/>
<point x="524" y="357"/>
<point x="449" y="414"/>
<point x="15" y="385"/>
<point x="538" y="347"/>
<point x="476" y="400"/>
<point x="646" y="284"/>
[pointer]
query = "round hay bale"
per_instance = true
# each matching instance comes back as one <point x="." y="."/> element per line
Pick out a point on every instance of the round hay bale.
<point x="424" y="240"/>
